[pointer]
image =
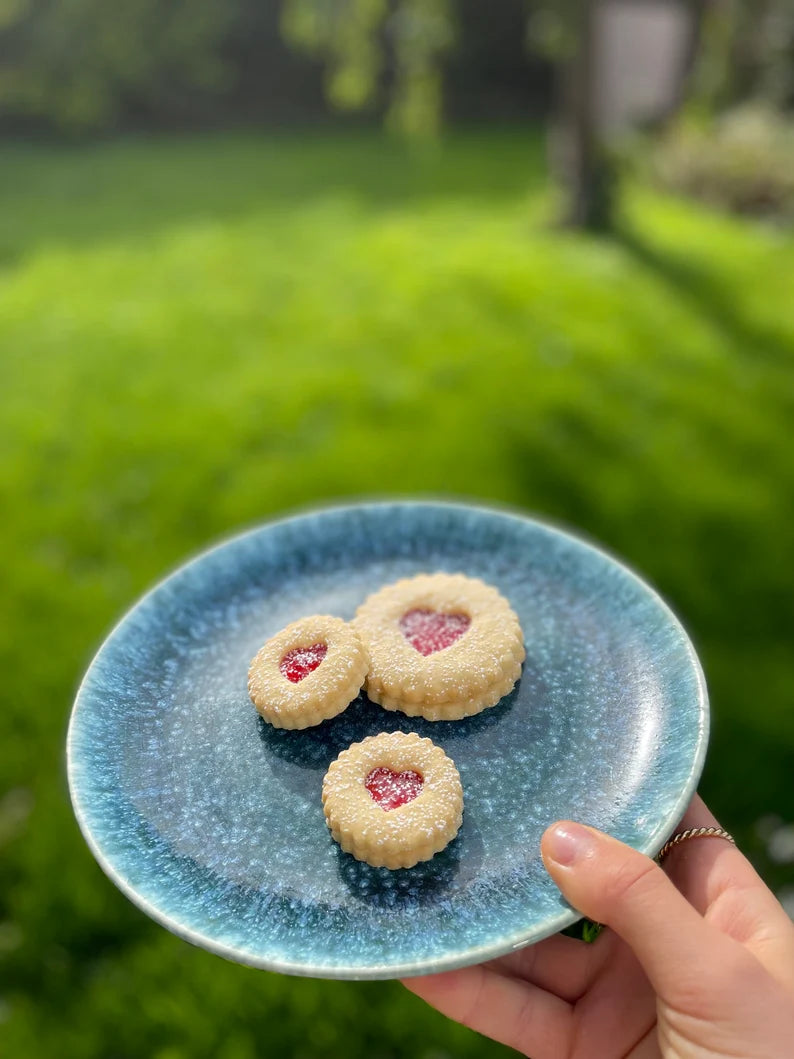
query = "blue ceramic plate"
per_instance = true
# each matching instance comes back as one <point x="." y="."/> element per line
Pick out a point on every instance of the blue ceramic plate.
<point x="211" y="821"/>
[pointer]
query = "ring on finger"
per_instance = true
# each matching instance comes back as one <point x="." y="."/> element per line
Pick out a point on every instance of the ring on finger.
<point x="692" y="832"/>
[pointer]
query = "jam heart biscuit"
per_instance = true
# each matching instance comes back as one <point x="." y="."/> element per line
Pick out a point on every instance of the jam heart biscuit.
<point x="393" y="800"/>
<point x="441" y="646"/>
<point x="308" y="672"/>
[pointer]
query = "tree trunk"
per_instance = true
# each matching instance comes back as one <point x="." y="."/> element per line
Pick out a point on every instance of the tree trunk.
<point x="588" y="173"/>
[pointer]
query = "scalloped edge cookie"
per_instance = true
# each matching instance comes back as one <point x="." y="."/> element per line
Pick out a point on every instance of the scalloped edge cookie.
<point x="409" y="833"/>
<point x="325" y="691"/>
<point x="468" y="676"/>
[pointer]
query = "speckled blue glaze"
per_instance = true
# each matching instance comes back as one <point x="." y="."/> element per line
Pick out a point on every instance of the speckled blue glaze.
<point x="211" y="821"/>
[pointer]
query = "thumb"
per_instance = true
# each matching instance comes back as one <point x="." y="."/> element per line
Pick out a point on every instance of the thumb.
<point x="615" y="885"/>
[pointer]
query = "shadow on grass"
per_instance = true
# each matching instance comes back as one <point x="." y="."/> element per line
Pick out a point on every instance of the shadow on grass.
<point x="710" y="297"/>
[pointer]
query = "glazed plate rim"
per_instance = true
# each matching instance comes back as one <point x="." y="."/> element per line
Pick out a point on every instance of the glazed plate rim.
<point x="428" y="965"/>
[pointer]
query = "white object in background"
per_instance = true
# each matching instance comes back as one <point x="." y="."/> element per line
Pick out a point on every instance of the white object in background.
<point x="642" y="50"/>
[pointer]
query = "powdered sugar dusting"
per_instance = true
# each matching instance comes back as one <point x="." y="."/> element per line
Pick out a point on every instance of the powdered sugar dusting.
<point x="431" y="630"/>
<point x="300" y="661"/>
<point x="392" y="789"/>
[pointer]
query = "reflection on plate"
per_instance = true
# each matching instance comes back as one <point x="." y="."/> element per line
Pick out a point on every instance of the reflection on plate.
<point x="211" y="821"/>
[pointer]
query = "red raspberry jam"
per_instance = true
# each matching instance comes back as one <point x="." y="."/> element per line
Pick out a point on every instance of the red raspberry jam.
<point x="392" y="789"/>
<point x="431" y="630"/>
<point x="300" y="661"/>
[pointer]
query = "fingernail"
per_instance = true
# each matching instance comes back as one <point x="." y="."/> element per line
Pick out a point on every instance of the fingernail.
<point x="566" y="843"/>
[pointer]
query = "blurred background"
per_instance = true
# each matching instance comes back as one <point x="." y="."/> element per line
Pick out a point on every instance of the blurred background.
<point x="260" y="254"/>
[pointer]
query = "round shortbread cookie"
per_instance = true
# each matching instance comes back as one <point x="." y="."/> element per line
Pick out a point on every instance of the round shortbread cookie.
<point x="308" y="672"/>
<point x="441" y="646"/>
<point x="393" y="800"/>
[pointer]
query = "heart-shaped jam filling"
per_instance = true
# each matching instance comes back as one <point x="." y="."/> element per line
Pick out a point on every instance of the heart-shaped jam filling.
<point x="300" y="661"/>
<point x="391" y="789"/>
<point x="431" y="630"/>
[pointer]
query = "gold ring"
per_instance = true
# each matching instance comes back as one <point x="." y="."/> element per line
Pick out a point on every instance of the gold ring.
<point x="693" y="832"/>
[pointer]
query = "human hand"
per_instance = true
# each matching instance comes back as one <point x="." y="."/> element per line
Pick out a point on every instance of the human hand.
<point x="698" y="963"/>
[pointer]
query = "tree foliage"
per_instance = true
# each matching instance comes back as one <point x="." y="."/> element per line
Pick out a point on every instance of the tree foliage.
<point x="747" y="51"/>
<point x="90" y="64"/>
<point x="376" y="46"/>
<point x="79" y="63"/>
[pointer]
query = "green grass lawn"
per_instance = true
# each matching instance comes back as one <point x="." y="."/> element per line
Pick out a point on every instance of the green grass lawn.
<point x="196" y="335"/>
